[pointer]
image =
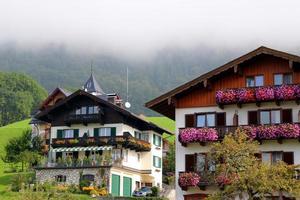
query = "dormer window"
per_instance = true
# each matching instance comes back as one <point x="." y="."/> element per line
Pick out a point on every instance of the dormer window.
<point x="255" y="81"/>
<point x="280" y="79"/>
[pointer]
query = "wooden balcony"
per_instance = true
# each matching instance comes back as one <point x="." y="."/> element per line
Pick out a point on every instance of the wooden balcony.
<point x="257" y="132"/>
<point x="84" y="119"/>
<point x="125" y="141"/>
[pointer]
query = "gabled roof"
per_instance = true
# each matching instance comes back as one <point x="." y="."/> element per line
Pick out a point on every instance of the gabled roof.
<point x="92" y="85"/>
<point x="53" y="94"/>
<point x="163" y="104"/>
<point x="124" y="112"/>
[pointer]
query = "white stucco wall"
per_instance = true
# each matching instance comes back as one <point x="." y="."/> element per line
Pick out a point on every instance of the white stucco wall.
<point x="288" y="145"/>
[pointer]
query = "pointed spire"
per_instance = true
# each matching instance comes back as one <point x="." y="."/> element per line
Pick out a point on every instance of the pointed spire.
<point x="91" y="85"/>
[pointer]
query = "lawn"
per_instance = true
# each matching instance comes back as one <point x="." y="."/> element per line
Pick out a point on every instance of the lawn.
<point x="6" y="133"/>
<point x="165" y="123"/>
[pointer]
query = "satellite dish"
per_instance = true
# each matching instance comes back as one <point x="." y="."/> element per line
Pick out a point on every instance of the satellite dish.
<point x="127" y="105"/>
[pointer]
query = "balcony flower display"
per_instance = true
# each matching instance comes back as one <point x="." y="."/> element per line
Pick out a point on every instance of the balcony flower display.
<point x="289" y="130"/>
<point x="223" y="180"/>
<point x="267" y="132"/>
<point x="226" y="96"/>
<point x="297" y="91"/>
<point x="264" y="93"/>
<point x="187" y="179"/>
<point x="246" y="95"/>
<point x="250" y="131"/>
<point x="285" y="92"/>
<point x="189" y="135"/>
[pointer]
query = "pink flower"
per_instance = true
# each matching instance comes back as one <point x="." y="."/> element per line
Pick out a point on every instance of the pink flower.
<point x="250" y="131"/>
<point x="246" y="95"/>
<point x="189" y="135"/>
<point x="288" y="130"/>
<point x="226" y="96"/>
<point x="264" y="93"/>
<point x="285" y="92"/>
<point x="188" y="179"/>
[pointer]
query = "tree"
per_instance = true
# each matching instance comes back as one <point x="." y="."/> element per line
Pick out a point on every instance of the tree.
<point x="240" y="173"/>
<point x="19" y="96"/>
<point x="169" y="161"/>
<point x="23" y="149"/>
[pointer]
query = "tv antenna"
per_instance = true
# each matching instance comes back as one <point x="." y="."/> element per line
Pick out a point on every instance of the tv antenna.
<point x="127" y="104"/>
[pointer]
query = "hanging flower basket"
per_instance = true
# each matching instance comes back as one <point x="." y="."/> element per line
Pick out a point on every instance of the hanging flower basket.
<point x="190" y="135"/>
<point x="188" y="179"/>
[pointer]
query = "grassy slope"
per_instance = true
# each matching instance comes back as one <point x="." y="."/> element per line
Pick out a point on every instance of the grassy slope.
<point x="165" y="123"/>
<point x="6" y="133"/>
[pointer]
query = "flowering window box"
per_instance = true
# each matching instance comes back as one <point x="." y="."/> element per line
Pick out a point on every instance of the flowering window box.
<point x="190" y="135"/>
<point x="246" y="95"/>
<point x="264" y="94"/>
<point x="271" y="132"/>
<point x="188" y="179"/>
<point x="285" y="92"/>
<point x="226" y="96"/>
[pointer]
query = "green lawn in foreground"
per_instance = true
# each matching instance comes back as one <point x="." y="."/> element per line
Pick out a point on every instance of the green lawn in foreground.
<point x="165" y="123"/>
<point x="6" y="133"/>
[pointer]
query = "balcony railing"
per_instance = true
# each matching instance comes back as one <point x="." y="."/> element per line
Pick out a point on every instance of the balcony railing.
<point x="88" y="118"/>
<point x="124" y="140"/>
<point x="257" y="95"/>
<point x="258" y="132"/>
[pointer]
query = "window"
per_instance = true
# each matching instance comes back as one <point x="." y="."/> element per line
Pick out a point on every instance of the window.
<point x="276" y="156"/>
<point x="198" y="163"/>
<point x="91" y="109"/>
<point x="78" y="111"/>
<point x="88" y="177"/>
<point x="206" y="120"/>
<point x="255" y="81"/>
<point x="156" y="161"/>
<point x="116" y="154"/>
<point x="84" y="110"/>
<point x="60" y="178"/>
<point x="68" y="133"/>
<point x="280" y="79"/>
<point x="156" y="140"/>
<point x="104" y="132"/>
<point x="125" y="155"/>
<point x="189" y="120"/>
<point x="270" y="117"/>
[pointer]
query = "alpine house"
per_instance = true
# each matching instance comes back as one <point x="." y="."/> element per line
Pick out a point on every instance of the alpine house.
<point x="259" y="90"/>
<point x="89" y="135"/>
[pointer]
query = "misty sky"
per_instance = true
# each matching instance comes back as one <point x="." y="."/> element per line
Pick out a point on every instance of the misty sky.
<point x="140" y="27"/>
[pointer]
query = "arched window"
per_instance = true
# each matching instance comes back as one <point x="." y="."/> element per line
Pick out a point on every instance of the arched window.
<point x="60" y="178"/>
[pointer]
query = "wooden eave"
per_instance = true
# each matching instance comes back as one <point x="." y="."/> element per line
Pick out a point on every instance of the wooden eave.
<point x="164" y="104"/>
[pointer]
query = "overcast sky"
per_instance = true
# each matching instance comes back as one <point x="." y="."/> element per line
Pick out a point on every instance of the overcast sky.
<point x="141" y="27"/>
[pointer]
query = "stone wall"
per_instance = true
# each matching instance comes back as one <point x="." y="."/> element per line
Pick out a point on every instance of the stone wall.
<point x="72" y="175"/>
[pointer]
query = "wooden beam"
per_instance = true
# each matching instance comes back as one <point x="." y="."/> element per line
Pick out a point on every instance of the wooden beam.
<point x="207" y="84"/>
<point x="236" y="69"/>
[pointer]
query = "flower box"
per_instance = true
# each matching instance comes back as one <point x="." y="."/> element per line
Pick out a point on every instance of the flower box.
<point x="190" y="135"/>
<point x="280" y="131"/>
<point x="188" y="179"/>
<point x="226" y="96"/>
<point x="285" y="92"/>
<point x="264" y="94"/>
<point x="246" y="95"/>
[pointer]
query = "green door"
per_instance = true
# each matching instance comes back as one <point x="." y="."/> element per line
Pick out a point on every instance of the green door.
<point x="127" y="184"/>
<point x="115" y="185"/>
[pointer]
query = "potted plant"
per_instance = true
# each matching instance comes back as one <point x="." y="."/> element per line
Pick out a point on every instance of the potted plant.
<point x="188" y="179"/>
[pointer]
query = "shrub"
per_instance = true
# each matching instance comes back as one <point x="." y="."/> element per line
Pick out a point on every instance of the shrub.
<point x="155" y="191"/>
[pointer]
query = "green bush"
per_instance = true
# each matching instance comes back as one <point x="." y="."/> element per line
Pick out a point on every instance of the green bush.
<point x="20" y="180"/>
<point x="84" y="183"/>
<point x="155" y="191"/>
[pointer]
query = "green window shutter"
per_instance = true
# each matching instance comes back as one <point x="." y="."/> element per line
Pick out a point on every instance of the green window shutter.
<point x="159" y="162"/>
<point x="96" y="132"/>
<point x="76" y="133"/>
<point x="113" y="131"/>
<point x="159" y="141"/>
<point x="59" y="133"/>
<point x="153" y="139"/>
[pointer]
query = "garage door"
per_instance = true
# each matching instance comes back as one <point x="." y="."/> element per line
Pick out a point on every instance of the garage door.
<point x="127" y="185"/>
<point x="115" y="185"/>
